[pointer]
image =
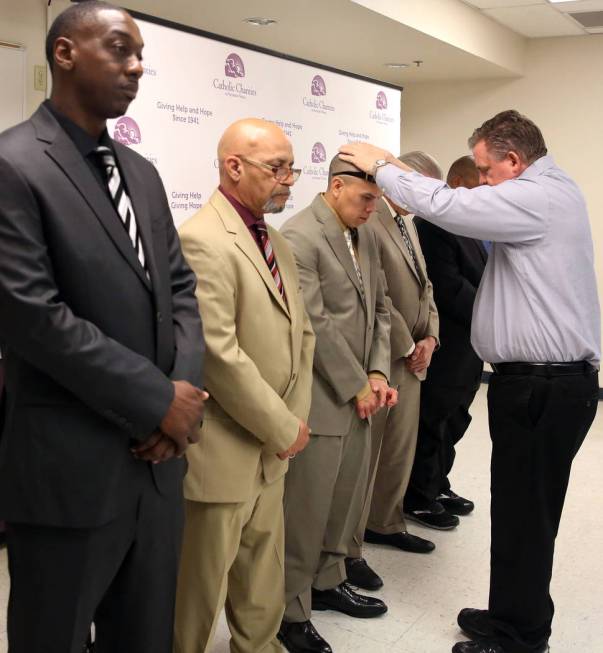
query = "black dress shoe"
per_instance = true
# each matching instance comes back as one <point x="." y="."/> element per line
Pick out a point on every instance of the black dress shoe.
<point x="433" y="517"/>
<point x="475" y="623"/>
<point x="403" y="540"/>
<point x="478" y="646"/>
<point x="454" y="504"/>
<point x="302" y="638"/>
<point x="486" y="646"/>
<point x="343" y="599"/>
<point x="361" y="575"/>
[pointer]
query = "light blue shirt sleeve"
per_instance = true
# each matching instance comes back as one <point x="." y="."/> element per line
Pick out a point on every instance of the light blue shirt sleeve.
<point x="511" y="212"/>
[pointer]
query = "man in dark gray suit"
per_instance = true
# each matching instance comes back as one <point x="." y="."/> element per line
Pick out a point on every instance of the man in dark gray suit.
<point x="103" y="348"/>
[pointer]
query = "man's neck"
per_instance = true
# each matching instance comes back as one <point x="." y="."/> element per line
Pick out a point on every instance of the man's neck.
<point x="234" y="195"/>
<point x="70" y="109"/>
<point x="329" y="202"/>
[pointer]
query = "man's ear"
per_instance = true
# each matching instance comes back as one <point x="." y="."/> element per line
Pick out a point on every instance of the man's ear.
<point x="456" y="181"/>
<point x="64" y="53"/>
<point x="232" y="167"/>
<point x="336" y="186"/>
<point x="514" y="158"/>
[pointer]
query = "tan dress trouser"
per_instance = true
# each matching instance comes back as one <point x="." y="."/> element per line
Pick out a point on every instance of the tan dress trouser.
<point x="393" y="445"/>
<point x="232" y="557"/>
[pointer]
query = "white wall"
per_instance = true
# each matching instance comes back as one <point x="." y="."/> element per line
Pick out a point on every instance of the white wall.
<point x="24" y="23"/>
<point x="562" y="91"/>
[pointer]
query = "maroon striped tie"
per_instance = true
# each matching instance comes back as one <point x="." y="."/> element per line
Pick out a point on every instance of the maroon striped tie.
<point x="262" y="230"/>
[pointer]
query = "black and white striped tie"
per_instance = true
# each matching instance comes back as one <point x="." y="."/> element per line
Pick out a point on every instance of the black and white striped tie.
<point x="121" y="200"/>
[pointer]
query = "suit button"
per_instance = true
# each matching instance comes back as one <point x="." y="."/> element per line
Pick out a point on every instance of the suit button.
<point x="159" y="316"/>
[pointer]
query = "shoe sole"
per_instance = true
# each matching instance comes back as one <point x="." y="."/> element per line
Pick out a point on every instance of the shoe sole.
<point x="435" y="528"/>
<point x="321" y="607"/>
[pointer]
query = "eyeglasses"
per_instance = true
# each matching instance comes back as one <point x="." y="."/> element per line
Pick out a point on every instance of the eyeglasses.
<point x="281" y="173"/>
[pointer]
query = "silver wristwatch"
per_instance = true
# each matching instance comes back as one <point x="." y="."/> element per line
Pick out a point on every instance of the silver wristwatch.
<point x="378" y="164"/>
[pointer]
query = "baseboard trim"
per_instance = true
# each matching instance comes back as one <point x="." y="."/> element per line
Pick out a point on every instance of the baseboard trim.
<point x="486" y="379"/>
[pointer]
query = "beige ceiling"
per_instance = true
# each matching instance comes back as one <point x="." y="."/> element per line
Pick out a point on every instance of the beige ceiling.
<point x="349" y="36"/>
<point x="540" y="18"/>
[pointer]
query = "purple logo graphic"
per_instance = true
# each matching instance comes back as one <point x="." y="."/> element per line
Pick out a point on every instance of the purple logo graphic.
<point x="319" y="154"/>
<point x="318" y="86"/>
<point x="233" y="66"/>
<point x="381" y="100"/>
<point x="127" y="132"/>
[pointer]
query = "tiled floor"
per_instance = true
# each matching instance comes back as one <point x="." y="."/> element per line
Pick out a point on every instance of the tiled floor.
<point x="424" y="593"/>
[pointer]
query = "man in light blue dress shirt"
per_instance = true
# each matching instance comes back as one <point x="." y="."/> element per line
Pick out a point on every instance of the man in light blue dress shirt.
<point x="536" y="319"/>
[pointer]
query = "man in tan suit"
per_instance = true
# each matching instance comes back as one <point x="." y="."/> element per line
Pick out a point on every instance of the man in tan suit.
<point x="326" y="485"/>
<point x="259" y="348"/>
<point x="414" y="336"/>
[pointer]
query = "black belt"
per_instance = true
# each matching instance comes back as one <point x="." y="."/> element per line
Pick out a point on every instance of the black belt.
<point x="545" y="369"/>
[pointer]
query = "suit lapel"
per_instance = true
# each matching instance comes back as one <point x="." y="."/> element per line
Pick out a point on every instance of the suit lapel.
<point x="64" y="153"/>
<point x="336" y="240"/>
<point x="287" y="277"/>
<point x="364" y="261"/>
<point x="246" y="243"/>
<point x="394" y="231"/>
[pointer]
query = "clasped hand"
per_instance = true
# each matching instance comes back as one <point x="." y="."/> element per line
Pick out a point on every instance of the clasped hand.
<point x="303" y="437"/>
<point x="178" y="428"/>
<point x="420" y="359"/>
<point x="381" y="395"/>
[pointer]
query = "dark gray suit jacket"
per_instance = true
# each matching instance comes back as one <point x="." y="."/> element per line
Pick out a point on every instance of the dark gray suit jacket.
<point x="89" y="343"/>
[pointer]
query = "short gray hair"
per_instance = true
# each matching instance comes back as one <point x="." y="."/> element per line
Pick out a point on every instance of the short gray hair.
<point x="423" y="163"/>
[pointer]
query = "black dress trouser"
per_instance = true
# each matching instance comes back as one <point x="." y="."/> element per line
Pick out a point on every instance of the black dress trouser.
<point x="443" y="420"/>
<point x="121" y="575"/>
<point x="537" y="425"/>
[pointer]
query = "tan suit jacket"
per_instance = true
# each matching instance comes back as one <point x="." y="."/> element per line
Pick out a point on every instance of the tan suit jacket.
<point x="352" y="332"/>
<point x="409" y="295"/>
<point x="258" y="368"/>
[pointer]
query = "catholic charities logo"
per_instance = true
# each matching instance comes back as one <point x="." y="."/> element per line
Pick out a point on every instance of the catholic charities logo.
<point x="318" y="86"/>
<point x="381" y="116"/>
<point x="127" y="131"/>
<point x="317" y="156"/>
<point x="318" y="90"/>
<point x="381" y="100"/>
<point x="234" y="69"/>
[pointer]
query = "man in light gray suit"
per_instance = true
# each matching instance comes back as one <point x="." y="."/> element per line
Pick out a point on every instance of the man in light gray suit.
<point x="326" y="486"/>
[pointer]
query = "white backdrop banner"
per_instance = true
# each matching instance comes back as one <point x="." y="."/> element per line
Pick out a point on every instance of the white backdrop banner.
<point x="193" y="87"/>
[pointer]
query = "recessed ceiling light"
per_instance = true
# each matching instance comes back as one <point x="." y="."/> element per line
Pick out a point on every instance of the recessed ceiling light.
<point x="558" y="1"/>
<point x="258" y="21"/>
<point x="396" y="65"/>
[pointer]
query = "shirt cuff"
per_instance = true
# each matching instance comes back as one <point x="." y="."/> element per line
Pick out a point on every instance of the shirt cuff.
<point x="364" y="393"/>
<point x="410" y="351"/>
<point x="377" y="375"/>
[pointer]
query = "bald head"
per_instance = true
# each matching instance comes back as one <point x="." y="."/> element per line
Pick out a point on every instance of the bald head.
<point x="249" y="152"/>
<point x="463" y="172"/>
<point x="247" y="136"/>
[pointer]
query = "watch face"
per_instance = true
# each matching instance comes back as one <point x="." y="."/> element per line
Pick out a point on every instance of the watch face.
<point x="380" y="162"/>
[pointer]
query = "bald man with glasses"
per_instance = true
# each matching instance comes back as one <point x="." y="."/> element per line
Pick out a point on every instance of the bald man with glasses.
<point x="259" y="347"/>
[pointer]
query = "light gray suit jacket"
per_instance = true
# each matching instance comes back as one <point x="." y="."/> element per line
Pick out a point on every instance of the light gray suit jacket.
<point x="409" y="295"/>
<point x="352" y="332"/>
